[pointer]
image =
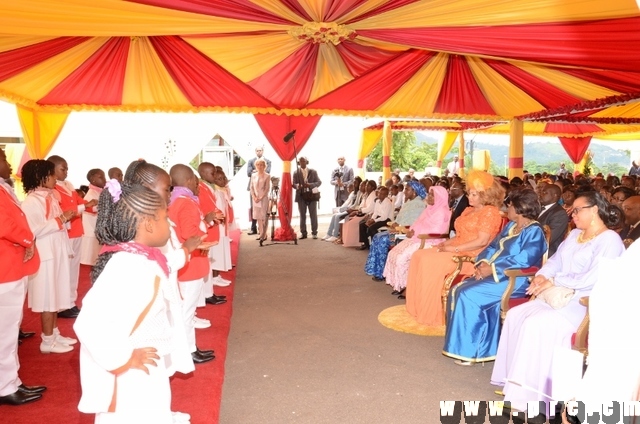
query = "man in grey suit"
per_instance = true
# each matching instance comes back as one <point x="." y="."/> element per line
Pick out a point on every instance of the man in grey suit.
<point x="552" y="214"/>
<point x="341" y="177"/>
<point x="306" y="180"/>
<point x="251" y="169"/>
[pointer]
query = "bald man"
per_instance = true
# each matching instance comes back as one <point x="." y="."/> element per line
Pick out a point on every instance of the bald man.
<point x="631" y="209"/>
<point x="552" y="214"/>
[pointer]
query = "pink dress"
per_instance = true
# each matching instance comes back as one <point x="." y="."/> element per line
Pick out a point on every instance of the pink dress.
<point x="433" y="220"/>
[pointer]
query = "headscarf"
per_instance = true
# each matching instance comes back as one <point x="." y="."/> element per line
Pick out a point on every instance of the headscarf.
<point x="418" y="188"/>
<point x="435" y="218"/>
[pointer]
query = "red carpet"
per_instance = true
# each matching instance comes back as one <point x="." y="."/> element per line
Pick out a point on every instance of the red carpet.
<point x="198" y="393"/>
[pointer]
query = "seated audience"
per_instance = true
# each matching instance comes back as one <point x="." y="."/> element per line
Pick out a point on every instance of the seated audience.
<point x="412" y="208"/>
<point x="631" y="230"/>
<point x="380" y="217"/>
<point x="553" y="215"/>
<point x="475" y="229"/>
<point x="532" y="331"/>
<point x="433" y="220"/>
<point x="473" y="306"/>
<point x="351" y="227"/>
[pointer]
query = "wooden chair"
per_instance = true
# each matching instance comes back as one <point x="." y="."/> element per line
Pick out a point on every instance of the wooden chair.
<point x="506" y="302"/>
<point x="580" y="339"/>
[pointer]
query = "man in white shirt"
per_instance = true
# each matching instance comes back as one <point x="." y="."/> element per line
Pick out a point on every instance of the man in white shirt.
<point x="454" y="166"/>
<point x="381" y="215"/>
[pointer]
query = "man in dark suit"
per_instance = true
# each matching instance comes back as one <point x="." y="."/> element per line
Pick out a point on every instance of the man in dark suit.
<point x="341" y="177"/>
<point x="458" y="203"/>
<point x="251" y="169"/>
<point x="552" y="214"/>
<point x="631" y="231"/>
<point x="306" y="179"/>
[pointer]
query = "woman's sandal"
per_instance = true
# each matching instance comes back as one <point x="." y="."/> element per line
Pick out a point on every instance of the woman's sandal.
<point x="339" y="241"/>
<point x="463" y="363"/>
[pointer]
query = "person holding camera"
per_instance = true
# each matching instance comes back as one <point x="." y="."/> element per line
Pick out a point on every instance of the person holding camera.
<point x="306" y="183"/>
<point x="341" y="177"/>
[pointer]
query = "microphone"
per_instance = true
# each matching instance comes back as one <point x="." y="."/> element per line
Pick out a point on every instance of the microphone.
<point x="289" y="136"/>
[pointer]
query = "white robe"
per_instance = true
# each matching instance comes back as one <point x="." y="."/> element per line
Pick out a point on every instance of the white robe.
<point x="128" y="285"/>
<point x="220" y="254"/>
<point x="90" y="247"/>
<point x="49" y="288"/>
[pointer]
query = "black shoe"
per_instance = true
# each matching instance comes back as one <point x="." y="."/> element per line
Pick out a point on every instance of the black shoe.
<point x="396" y="292"/>
<point x="363" y="247"/>
<point x="19" y="398"/>
<point x="205" y="352"/>
<point x="402" y="297"/>
<point x="68" y="313"/>
<point x="25" y="334"/>
<point x="302" y="237"/>
<point x="200" y="359"/>
<point x="374" y="278"/>
<point x="30" y="390"/>
<point x="215" y="300"/>
<point x="252" y="232"/>
<point x="221" y="297"/>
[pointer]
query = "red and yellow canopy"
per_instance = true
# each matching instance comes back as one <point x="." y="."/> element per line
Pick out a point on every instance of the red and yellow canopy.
<point x="445" y="59"/>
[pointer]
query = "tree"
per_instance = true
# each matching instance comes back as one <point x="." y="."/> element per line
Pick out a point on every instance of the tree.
<point x="405" y="153"/>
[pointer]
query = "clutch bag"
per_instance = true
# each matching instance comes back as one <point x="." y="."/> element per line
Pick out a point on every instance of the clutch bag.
<point x="557" y="296"/>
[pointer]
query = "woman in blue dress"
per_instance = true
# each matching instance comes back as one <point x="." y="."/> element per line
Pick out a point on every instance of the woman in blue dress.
<point x="473" y="306"/>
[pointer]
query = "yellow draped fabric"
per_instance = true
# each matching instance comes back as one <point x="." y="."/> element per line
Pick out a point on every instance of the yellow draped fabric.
<point x="462" y="172"/>
<point x="437" y="13"/>
<point x="387" y="141"/>
<point x="40" y="130"/>
<point x="15" y="152"/>
<point x="621" y="137"/>
<point x="445" y="145"/>
<point x="516" y="149"/>
<point x="286" y="167"/>
<point x="368" y="141"/>
<point x="583" y="162"/>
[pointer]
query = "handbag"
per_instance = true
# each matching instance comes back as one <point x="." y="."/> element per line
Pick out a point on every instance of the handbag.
<point x="557" y="296"/>
<point x="310" y="195"/>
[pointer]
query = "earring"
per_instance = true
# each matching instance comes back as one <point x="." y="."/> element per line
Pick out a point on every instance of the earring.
<point x="593" y="220"/>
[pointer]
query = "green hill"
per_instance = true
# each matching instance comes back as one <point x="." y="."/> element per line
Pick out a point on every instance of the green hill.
<point x="543" y="152"/>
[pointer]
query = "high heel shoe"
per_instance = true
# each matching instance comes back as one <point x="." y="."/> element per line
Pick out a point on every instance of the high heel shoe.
<point x="397" y="292"/>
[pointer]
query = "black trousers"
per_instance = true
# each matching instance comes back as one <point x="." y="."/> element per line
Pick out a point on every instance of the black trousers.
<point x="369" y="232"/>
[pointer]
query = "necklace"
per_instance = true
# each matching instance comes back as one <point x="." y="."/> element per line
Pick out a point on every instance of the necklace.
<point x="581" y="238"/>
<point x="518" y="228"/>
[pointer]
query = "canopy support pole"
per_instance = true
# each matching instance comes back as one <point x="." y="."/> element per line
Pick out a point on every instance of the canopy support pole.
<point x="516" y="149"/>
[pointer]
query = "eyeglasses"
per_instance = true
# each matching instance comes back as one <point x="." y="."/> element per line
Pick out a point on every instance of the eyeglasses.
<point x="578" y="209"/>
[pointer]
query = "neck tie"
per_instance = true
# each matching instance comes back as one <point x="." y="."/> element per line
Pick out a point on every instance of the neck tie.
<point x="455" y="204"/>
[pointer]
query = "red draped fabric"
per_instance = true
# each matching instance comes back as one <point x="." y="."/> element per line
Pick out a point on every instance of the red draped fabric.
<point x="15" y="61"/>
<point x="575" y="147"/>
<point x="203" y="81"/>
<point x="275" y="127"/>
<point x="544" y="93"/>
<point x="289" y="83"/>
<point x="359" y="59"/>
<point x="98" y="81"/>
<point x="460" y="92"/>
<point x="590" y="44"/>
<point x="234" y="9"/>
<point x="374" y="88"/>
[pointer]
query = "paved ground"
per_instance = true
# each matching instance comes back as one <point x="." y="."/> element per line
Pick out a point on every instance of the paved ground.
<point x="306" y="347"/>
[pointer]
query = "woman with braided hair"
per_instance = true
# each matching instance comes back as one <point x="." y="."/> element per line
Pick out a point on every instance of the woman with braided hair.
<point x="126" y="324"/>
<point x="49" y="288"/>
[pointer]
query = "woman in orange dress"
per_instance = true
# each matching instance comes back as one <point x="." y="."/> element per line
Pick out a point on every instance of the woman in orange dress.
<point x="475" y="229"/>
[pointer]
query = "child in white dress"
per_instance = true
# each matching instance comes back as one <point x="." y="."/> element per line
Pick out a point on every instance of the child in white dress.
<point x="49" y="288"/>
<point x="126" y="326"/>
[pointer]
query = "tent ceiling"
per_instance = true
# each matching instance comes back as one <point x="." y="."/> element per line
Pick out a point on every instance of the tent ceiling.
<point x="454" y="59"/>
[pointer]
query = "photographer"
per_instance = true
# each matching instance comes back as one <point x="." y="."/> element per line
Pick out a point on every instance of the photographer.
<point x="341" y="177"/>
